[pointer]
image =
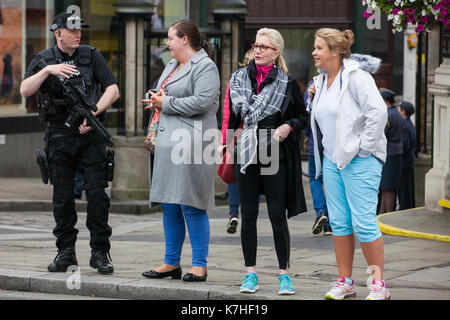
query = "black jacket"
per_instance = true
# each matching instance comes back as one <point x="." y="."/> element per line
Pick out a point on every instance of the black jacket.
<point x="393" y="132"/>
<point x="293" y="112"/>
<point x="409" y="144"/>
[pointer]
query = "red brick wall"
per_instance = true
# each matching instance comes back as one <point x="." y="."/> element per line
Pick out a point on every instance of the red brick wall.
<point x="298" y="13"/>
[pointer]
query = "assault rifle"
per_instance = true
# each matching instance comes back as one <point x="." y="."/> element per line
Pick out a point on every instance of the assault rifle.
<point x="81" y="106"/>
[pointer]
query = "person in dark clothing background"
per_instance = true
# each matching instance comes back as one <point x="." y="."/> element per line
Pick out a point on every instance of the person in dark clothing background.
<point x="7" y="77"/>
<point x="318" y="194"/>
<point x="80" y="146"/>
<point x="390" y="181"/>
<point x="406" y="191"/>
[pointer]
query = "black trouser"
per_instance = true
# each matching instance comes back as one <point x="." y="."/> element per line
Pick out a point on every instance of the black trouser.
<point x="406" y="191"/>
<point x="274" y="187"/>
<point x="67" y="152"/>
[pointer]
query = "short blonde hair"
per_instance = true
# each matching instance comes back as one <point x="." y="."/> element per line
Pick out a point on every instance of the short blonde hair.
<point x="278" y="42"/>
<point x="336" y="39"/>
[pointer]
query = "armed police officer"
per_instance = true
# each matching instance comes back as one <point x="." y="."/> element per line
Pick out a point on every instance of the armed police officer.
<point x="79" y="145"/>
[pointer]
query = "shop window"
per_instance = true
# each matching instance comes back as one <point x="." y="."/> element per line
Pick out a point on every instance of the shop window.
<point x="298" y="48"/>
<point x="11" y="15"/>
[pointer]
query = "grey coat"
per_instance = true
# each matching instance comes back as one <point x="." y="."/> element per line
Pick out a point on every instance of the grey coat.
<point x="180" y="174"/>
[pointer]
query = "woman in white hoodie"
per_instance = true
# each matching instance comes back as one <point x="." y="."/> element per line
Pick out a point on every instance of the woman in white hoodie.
<point x="347" y="120"/>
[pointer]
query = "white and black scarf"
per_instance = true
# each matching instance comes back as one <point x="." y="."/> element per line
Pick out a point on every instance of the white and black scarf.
<point x="253" y="108"/>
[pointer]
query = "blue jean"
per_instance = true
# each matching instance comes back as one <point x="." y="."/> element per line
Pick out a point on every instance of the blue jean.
<point x="233" y="198"/>
<point x="174" y="216"/>
<point x="317" y="192"/>
<point x="78" y="186"/>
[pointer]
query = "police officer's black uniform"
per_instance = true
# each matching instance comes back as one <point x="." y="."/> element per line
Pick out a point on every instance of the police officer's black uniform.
<point x="68" y="150"/>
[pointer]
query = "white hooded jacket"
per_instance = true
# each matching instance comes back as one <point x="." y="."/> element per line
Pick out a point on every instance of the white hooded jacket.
<point x="362" y="113"/>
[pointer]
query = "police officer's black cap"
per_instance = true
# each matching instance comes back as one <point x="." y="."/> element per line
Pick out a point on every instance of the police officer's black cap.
<point x="387" y="94"/>
<point x="68" y="21"/>
<point x="408" y="107"/>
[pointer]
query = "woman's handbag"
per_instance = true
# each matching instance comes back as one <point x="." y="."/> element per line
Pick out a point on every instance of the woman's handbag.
<point x="152" y="131"/>
<point x="225" y="169"/>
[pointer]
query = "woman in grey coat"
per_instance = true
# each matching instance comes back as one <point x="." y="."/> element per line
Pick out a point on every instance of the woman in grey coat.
<point x="182" y="180"/>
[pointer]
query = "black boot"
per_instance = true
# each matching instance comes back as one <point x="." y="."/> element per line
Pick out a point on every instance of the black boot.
<point x="100" y="261"/>
<point x="66" y="257"/>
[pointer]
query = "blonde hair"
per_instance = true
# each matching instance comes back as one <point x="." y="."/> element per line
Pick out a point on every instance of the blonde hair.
<point x="249" y="55"/>
<point x="336" y="39"/>
<point x="278" y="42"/>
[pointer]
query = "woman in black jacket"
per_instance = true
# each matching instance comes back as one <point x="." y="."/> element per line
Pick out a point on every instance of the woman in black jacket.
<point x="269" y="106"/>
<point x="390" y="181"/>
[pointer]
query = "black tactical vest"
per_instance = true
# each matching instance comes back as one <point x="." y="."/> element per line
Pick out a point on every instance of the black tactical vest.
<point x="53" y="106"/>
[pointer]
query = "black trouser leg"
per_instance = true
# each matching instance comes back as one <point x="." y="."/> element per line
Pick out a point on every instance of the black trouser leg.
<point x="97" y="219"/>
<point x="275" y="191"/>
<point x="62" y="166"/>
<point x="93" y="162"/>
<point x="406" y="196"/>
<point x="248" y="194"/>
<point x="65" y="216"/>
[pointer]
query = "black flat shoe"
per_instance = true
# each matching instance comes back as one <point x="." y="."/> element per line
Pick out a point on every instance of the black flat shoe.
<point x="190" y="277"/>
<point x="152" y="274"/>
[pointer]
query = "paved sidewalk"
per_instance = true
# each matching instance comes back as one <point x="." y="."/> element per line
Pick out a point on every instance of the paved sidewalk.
<point x="414" y="268"/>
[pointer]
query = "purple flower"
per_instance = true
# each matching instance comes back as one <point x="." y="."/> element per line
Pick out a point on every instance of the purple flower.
<point x="420" y="28"/>
<point x="411" y="11"/>
<point x="367" y="14"/>
<point x="396" y="11"/>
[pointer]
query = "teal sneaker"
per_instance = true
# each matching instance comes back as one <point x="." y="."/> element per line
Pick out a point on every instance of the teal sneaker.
<point x="286" y="287"/>
<point x="250" y="284"/>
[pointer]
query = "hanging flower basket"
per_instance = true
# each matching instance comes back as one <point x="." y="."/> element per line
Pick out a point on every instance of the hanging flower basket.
<point x="422" y="14"/>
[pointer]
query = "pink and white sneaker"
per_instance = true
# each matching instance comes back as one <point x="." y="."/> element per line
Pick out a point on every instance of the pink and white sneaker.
<point x="378" y="291"/>
<point x="341" y="290"/>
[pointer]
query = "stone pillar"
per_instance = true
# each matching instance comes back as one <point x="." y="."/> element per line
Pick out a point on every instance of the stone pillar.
<point x="423" y="161"/>
<point x="437" y="180"/>
<point x="432" y="64"/>
<point x="134" y="70"/>
<point x="131" y="171"/>
<point x="131" y="157"/>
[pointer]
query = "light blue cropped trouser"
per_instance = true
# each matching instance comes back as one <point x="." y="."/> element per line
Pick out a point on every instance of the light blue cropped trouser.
<point x="352" y="197"/>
